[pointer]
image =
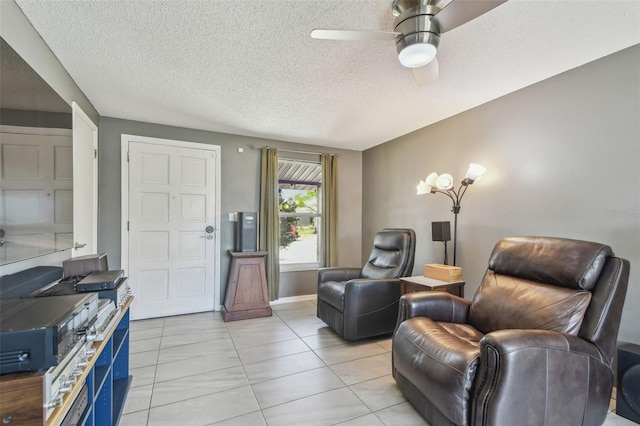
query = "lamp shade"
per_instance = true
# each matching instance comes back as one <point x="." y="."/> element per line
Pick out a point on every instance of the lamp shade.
<point x="431" y="179"/>
<point x="475" y="171"/>
<point x="423" y="188"/>
<point x="444" y="181"/>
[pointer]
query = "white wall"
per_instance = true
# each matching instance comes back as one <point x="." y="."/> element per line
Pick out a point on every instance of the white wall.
<point x="563" y="159"/>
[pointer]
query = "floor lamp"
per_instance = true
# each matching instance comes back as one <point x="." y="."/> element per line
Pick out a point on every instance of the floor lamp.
<point x="443" y="184"/>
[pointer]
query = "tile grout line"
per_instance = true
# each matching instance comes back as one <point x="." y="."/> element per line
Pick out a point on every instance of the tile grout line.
<point x="244" y="370"/>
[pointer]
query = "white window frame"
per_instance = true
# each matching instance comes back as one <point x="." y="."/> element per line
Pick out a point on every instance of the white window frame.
<point x="305" y="266"/>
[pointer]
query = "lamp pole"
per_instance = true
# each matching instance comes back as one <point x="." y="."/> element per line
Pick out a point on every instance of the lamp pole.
<point x="456" y="198"/>
<point x="455" y="210"/>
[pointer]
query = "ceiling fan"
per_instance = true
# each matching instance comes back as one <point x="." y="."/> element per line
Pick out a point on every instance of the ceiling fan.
<point x="417" y="30"/>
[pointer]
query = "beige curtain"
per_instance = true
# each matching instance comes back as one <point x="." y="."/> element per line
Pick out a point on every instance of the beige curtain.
<point x="329" y="194"/>
<point x="269" y="220"/>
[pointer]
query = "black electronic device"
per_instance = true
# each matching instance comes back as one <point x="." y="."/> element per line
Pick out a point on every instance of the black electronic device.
<point x="96" y="281"/>
<point x="82" y="266"/>
<point x="23" y="283"/>
<point x="628" y="389"/>
<point x="441" y="231"/>
<point x="119" y="294"/>
<point x="247" y="231"/>
<point x="37" y="333"/>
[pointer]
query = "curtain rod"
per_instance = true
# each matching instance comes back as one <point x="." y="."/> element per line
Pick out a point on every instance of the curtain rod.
<point x="293" y="150"/>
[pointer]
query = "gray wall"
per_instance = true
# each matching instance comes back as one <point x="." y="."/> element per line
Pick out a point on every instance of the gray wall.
<point x="563" y="159"/>
<point x="240" y="184"/>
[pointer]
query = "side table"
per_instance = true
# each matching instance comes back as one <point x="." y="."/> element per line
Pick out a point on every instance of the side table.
<point x="628" y="383"/>
<point x="246" y="295"/>
<point x="420" y="283"/>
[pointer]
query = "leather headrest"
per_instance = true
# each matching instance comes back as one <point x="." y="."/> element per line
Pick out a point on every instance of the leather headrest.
<point x="390" y="240"/>
<point x="559" y="261"/>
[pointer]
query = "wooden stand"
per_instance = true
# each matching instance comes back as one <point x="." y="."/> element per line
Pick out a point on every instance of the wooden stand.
<point x="246" y="295"/>
<point x="412" y="284"/>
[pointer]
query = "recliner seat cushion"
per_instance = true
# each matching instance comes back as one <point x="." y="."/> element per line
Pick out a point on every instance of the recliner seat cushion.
<point x="448" y="352"/>
<point x="504" y="302"/>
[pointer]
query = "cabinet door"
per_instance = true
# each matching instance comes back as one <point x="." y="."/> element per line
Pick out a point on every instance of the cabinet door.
<point x="249" y="285"/>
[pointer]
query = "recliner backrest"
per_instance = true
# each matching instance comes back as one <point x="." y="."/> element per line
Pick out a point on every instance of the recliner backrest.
<point x="392" y="255"/>
<point x="559" y="261"/>
<point x="602" y="320"/>
<point x="549" y="283"/>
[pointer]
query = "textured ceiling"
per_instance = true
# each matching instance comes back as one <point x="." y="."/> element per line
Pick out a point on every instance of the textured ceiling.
<point x="251" y="68"/>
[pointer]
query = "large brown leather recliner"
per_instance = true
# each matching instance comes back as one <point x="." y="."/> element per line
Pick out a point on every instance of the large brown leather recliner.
<point x="363" y="302"/>
<point x="535" y="346"/>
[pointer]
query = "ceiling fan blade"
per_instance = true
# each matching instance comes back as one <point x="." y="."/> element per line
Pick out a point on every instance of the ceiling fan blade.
<point x="460" y="12"/>
<point x="353" y="35"/>
<point x="427" y="74"/>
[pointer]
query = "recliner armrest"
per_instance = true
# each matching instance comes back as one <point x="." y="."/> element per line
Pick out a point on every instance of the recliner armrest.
<point x="516" y="340"/>
<point x="544" y="368"/>
<point x="367" y="295"/>
<point x="370" y="306"/>
<point x="338" y="274"/>
<point x="437" y="305"/>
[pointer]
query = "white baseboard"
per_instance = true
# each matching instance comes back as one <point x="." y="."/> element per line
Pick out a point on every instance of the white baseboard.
<point x="291" y="299"/>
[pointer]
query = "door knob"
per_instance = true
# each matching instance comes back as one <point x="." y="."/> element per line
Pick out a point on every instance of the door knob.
<point x="77" y="246"/>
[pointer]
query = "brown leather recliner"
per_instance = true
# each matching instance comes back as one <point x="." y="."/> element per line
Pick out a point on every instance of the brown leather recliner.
<point x="535" y="346"/>
<point x="363" y="302"/>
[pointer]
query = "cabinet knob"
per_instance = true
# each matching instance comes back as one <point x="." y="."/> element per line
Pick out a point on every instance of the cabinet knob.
<point x="7" y="419"/>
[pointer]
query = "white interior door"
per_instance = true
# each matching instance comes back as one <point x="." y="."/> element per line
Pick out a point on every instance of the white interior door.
<point x="85" y="184"/>
<point x="36" y="209"/>
<point x="173" y="216"/>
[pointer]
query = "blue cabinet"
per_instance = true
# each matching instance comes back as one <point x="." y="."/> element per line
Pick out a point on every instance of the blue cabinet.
<point x="105" y="375"/>
<point x="108" y="380"/>
<point x="25" y="397"/>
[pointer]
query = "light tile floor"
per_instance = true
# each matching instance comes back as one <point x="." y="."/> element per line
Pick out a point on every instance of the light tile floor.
<point x="287" y="369"/>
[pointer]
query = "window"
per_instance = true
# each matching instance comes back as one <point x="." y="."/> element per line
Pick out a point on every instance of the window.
<point x="300" y="214"/>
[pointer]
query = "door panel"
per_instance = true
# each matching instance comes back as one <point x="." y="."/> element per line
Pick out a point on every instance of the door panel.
<point x="171" y="199"/>
<point x="36" y="184"/>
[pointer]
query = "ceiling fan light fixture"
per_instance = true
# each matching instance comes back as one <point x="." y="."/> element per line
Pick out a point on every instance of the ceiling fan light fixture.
<point x="417" y="49"/>
<point x="417" y="55"/>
